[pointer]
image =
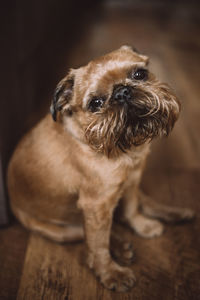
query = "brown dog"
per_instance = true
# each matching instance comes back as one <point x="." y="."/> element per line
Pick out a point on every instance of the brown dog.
<point x="74" y="171"/>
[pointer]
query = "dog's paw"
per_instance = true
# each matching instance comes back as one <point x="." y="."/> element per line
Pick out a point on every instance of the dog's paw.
<point x="178" y="215"/>
<point x="123" y="253"/>
<point x="146" y="227"/>
<point x="117" y="278"/>
<point x="188" y="214"/>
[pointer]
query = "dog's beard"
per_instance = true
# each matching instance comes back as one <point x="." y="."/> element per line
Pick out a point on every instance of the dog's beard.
<point x="151" y="113"/>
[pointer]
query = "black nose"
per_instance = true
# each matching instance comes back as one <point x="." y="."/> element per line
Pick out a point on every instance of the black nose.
<point x="123" y="93"/>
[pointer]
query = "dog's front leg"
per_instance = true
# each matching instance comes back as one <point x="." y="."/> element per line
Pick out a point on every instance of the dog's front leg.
<point x="98" y="220"/>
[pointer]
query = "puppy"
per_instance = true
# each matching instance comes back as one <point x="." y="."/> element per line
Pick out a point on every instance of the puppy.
<point x="68" y="174"/>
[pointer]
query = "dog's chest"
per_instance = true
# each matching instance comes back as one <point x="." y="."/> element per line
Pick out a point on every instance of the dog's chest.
<point x="119" y="172"/>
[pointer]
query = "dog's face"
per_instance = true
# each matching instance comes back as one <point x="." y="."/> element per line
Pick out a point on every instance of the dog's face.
<point x="116" y="102"/>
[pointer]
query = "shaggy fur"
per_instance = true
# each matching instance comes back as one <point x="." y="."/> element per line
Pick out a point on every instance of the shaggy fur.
<point x="151" y="112"/>
<point x="68" y="175"/>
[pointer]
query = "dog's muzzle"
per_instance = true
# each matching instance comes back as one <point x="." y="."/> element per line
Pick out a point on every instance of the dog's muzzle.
<point x="122" y="94"/>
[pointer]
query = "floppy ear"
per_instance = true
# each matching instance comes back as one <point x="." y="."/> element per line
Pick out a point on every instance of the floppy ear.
<point x="62" y="95"/>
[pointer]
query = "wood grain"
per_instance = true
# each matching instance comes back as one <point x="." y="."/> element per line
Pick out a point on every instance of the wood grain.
<point x="13" y="242"/>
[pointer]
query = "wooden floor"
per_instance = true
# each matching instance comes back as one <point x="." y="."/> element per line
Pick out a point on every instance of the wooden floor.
<point x="167" y="267"/>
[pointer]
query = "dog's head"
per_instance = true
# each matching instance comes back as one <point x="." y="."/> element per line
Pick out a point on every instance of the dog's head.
<point x="115" y="103"/>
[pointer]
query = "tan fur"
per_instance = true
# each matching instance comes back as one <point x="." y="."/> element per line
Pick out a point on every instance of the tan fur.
<point x="71" y="174"/>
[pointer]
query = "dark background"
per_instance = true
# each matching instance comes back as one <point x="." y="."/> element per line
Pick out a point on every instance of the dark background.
<point x="40" y="40"/>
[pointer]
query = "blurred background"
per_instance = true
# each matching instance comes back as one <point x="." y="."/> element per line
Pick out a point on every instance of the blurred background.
<point x="40" y="41"/>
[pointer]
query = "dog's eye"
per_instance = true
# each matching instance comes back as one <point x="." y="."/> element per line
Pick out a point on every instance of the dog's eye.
<point x="140" y="74"/>
<point x="96" y="103"/>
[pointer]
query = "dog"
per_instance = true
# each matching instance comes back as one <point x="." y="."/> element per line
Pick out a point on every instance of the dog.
<point x="82" y="164"/>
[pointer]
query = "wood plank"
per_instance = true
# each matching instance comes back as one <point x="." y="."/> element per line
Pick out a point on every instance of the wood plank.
<point x="53" y="271"/>
<point x="13" y="242"/>
<point x="181" y="243"/>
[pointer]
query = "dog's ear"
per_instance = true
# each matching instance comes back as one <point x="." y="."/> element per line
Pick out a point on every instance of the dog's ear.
<point x="129" y="47"/>
<point x="143" y="57"/>
<point x="62" y="95"/>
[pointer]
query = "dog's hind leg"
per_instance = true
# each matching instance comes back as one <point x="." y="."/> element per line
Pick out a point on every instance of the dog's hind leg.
<point x="57" y="233"/>
<point x="128" y="213"/>
<point x="162" y="212"/>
